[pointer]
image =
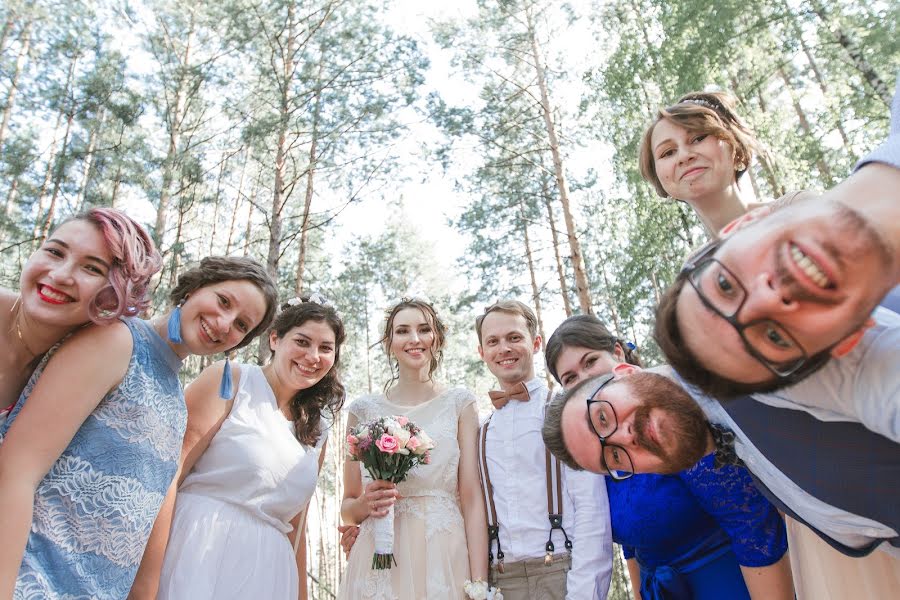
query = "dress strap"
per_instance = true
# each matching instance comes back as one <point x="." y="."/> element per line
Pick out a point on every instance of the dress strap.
<point x="554" y="500"/>
<point x="487" y="491"/>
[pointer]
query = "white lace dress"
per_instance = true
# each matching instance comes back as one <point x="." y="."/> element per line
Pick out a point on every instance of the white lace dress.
<point x="233" y="511"/>
<point x="429" y="537"/>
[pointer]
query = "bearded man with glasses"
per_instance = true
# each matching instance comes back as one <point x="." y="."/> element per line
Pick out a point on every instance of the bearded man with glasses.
<point x="785" y="306"/>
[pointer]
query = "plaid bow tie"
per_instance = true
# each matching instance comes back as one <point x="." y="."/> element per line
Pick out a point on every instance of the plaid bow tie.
<point x="499" y="398"/>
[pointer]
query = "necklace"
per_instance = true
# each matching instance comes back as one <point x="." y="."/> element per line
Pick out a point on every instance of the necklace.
<point x="15" y="307"/>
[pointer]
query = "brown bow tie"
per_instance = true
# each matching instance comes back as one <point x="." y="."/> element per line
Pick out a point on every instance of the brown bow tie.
<point x="499" y="398"/>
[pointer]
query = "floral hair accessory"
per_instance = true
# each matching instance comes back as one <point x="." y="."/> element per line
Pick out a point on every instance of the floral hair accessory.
<point x="480" y="590"/>
<point x="315" y="298"/>
<point x="630" y="345"/>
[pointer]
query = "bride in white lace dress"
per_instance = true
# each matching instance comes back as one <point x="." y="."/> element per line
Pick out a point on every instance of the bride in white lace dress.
<point x="440" y="530"/>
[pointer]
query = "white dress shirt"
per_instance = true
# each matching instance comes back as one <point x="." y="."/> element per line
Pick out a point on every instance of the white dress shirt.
<point x="516" y="462"/>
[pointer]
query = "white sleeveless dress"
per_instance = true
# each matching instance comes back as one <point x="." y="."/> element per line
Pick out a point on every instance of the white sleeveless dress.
<point x="429" y="534"/>
<point x="233" y="511"/>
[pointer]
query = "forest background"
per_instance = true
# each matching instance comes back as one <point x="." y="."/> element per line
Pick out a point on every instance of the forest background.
<point x="466" y="151"/>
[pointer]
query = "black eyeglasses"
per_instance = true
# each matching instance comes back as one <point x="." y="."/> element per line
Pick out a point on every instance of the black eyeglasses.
<point x="722" y="292"/>
<point x="616" y="459"/>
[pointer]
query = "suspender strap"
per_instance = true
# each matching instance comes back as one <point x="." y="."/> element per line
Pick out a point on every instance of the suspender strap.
<point x="554" y="502"/>
<point x="487" y="491"/>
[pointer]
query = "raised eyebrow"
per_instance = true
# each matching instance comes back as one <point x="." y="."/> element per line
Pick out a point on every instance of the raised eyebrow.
<point x="96" y="259"/>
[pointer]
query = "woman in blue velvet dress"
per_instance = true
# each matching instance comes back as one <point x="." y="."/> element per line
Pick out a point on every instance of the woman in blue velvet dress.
<point x="704" y="533"/>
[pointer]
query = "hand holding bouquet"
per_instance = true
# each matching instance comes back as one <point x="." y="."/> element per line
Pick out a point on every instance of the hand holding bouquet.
<point x="388" y="448"/>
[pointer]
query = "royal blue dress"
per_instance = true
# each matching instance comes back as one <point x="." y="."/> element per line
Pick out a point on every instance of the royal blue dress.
<point x="94" y="509"/>
<point x="691" y="532"/>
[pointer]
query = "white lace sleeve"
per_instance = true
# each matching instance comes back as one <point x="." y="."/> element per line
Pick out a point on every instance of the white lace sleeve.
<point x="464" y="398"/>
<point x="361" y="408"/>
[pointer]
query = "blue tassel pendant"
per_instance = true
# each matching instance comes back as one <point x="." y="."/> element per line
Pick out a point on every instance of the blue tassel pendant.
<point x="174" y="325"/>
<point x="225" y="387"/>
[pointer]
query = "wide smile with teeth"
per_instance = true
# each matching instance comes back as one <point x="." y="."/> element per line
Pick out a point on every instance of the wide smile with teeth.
<point x="208" y="332"/>
<point x="54" y="295"/>
<point x="416" y="351"/>
<point x="306" y="370"/>
<point x="810" y="267"/>
<point x="508" y="361"/>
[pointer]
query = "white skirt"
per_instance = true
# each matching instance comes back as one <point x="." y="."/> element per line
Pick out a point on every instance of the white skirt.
<point x="217" y="550"/>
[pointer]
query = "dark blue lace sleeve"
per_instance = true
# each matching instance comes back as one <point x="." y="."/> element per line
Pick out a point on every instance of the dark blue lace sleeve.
<point x="757" y="532"/>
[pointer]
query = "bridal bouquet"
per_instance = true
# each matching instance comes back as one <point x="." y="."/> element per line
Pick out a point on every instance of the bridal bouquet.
<point x="388" y="448"/>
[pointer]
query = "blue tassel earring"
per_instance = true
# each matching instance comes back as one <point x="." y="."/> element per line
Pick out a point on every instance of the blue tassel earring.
<point x="174" y="324"/>
<point x="225" y="387"/>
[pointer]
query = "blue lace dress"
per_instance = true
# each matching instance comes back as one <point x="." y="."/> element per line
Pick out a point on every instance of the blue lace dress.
<point x="691" y="532"/>
<point x="94" y="509"/>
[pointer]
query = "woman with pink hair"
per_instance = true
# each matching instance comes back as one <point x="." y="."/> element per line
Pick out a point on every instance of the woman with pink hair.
<point x="94" y="268"/>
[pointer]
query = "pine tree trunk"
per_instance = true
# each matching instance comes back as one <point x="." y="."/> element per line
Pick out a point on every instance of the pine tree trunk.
<point x="529" y="259"/>
<point x="14" y="82"/>
<point x="11" y="196"/>
<point x="820" y="80"/>
<point x="560" y="268"/>
<point x="281" y="154"/>
<point x="581" y="283"/>
<point x="51" y="163"/>
<point x="89" y="162"/>
<point x="217" y="202"/>
<point x="824" y="171"/>
<point x="310" y="172"/>
<point x="176" y="121"/>
<point x="59" y="170"/>
<point x="858" y="59"/>
<point x="237" y="203"/>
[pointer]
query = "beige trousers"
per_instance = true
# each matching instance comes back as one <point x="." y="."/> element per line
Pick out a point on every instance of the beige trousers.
<point x="532" y="579"/>
<point x="822" y="573"/>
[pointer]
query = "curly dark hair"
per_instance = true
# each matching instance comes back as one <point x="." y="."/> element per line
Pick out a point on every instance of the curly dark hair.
<point x="216" y="269"/>
<point x="440" y="334"/>
<point x="328" y="393"/>
<point x="586" y="331"/>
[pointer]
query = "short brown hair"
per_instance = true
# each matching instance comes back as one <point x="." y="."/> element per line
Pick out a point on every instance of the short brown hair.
<point x="702" y="112"/>
<point x="670" y="340"/>
<point x="513" y="307"/>
<point x="216" y="269"/>
<point x="653" y="390"/>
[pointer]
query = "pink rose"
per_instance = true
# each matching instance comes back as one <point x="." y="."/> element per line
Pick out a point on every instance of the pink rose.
<point x="352" y="439"/>
<point x="387" y="444"/>
<point x="402" y="420"/>
<point x="412" y="444"/>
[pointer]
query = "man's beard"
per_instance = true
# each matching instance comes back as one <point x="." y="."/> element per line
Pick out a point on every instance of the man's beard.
<point x="686" y="432"/>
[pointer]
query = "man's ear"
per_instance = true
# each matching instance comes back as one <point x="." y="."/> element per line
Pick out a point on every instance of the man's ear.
<point x="537" y="344"/>
<point x="744" y="220"/>
<point x="849" y="343"/>
<point x="480" y="351"/>
<point x="624" y="369"/>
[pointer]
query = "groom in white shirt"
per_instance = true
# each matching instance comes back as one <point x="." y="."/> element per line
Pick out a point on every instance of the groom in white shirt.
<point x="538" y="549"/>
